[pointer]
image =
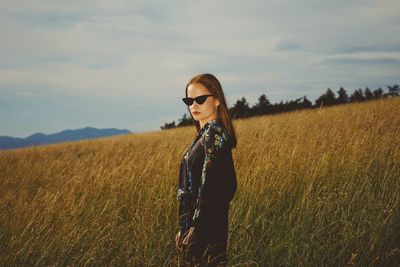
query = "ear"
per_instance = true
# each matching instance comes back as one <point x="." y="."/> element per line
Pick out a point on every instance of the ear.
<point x="217" y="102"/>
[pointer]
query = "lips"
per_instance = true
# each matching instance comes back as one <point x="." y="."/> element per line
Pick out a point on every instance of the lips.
<point x="196" y="113"/>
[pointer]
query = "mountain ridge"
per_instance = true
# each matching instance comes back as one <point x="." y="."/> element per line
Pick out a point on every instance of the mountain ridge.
<point x="10" y="142"/>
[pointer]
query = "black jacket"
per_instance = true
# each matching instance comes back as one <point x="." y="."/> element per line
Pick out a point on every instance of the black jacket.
<point x="207" y="183"/>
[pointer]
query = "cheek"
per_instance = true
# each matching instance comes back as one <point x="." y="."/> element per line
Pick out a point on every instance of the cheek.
<point x="209" y="107"/>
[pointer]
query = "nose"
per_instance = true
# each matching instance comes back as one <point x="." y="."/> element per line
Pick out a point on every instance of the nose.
<point x="194" y="104"/>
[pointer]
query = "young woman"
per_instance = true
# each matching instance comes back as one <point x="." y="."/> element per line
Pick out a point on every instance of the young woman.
<point x="207" y="178"/>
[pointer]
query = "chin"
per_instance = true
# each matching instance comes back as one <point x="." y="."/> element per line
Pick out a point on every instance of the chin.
<point x="199" y="119"/>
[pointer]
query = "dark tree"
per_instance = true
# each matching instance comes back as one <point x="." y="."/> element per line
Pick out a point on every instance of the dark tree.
<point x="327" y="99"/>
<point x="394" y="90"/>
<point x="291" y="105"/>
<point x="241" y="108"/>
<point x="357" y="96"/>
<point x="378" y="93"/>
<point x="186" y="120"/>
<point x="368" y="94"/>
<point x="306" y="103"/>
<point x="263" y="105"/>
<point x="168" y="125"/>
<point x="342" y="98"/>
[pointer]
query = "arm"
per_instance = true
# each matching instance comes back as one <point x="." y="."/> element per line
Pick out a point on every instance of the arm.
<point x="213" y="141"/>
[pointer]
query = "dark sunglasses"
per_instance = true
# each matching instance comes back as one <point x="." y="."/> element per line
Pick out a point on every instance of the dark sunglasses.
<point x="199" y="100"/>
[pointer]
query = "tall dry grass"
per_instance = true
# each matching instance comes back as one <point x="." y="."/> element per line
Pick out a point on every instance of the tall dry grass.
<point x="315" y="188"/>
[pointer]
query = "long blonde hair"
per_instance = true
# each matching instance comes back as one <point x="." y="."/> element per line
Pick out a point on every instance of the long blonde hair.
<point x="214" y="86"/>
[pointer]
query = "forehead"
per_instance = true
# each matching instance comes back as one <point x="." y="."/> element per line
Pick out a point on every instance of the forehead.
<point x="196" y="89"/>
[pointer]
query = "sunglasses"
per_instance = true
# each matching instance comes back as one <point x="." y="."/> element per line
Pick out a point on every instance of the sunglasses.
<point x="199" y="100"/>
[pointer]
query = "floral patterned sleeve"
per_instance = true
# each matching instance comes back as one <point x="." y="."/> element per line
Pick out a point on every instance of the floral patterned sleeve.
<point x="213" y="141"/>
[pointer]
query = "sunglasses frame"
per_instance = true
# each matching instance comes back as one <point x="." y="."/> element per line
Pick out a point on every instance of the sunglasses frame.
<point x="195" y="99"/>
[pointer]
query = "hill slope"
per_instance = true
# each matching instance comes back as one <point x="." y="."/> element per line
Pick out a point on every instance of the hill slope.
<point x="8" y="142"/>
<point x="315" y="188"/>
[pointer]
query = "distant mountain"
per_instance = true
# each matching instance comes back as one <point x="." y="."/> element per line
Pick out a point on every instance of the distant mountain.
<point x="8" y="142"/>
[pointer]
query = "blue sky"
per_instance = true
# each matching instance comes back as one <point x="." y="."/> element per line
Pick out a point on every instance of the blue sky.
<point x="124" y="64"/>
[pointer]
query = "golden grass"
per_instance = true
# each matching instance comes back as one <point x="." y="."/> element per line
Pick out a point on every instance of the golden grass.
<point x="315" y="188"/>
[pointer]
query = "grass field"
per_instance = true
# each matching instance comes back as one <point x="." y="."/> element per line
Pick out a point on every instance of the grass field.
<point x="315" y="188"/>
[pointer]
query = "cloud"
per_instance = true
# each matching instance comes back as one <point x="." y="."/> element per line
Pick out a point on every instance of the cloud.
<point x="27" y="94"/>
<point x="379" y="47"/>
<point x="363" y="58"/>
<point x="120" y="50"/>
<point x="287" y="45"/>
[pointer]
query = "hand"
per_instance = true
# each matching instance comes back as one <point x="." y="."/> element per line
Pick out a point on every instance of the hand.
<point x="177" y="237"/>
<point x="189" y="237"/>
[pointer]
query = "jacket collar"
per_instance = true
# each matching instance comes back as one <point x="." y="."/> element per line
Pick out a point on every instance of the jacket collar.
<point x="208" y="125"/>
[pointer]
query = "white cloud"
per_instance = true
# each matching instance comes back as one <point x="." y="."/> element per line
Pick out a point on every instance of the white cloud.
<point x="141" y="49"/>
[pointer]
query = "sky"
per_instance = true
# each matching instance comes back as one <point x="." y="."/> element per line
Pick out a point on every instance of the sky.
<point x="125" y="64"/>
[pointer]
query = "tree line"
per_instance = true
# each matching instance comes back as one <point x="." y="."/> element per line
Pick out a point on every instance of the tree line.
<point x="242" y="109"/>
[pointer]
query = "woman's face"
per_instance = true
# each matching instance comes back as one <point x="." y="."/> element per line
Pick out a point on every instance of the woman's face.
<point x="205" y="111"/>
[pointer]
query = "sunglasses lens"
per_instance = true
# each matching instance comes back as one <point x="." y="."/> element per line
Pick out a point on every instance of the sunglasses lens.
<point x="201" y="99"/>
<point x="188" y="101"/>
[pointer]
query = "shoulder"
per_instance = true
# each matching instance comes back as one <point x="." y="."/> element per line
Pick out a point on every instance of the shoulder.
<point x="214" y="138"/>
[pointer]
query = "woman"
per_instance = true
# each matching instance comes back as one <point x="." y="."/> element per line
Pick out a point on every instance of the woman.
<point x="207" y="178"/>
